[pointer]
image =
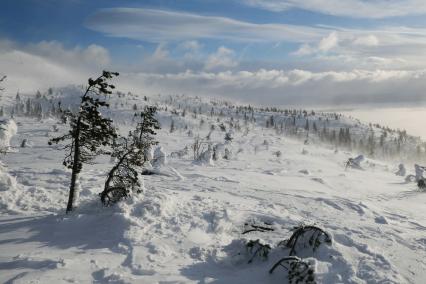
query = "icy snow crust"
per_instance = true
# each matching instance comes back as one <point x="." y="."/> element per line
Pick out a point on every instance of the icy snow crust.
<point x="187" y="225"/>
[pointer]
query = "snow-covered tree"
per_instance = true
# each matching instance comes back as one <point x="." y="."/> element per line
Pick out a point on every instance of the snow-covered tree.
<point x="129" y="154"/>
<point x="89" y="130"/>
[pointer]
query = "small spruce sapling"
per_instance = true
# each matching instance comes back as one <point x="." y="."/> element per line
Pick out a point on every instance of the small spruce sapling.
<point x="89" y="131"/>
<point x="298" y="270"/>
<point x="129" y="153"/>
<point x="257" y="249"/>
<point x="306" y="236"/>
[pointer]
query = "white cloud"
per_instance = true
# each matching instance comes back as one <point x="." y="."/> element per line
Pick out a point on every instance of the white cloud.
<point x="369" y="40"/>
<point x="396" y="45"/>
<point x="222" y="58"/>
<point x="325" y="44"/>
<point x="304" y="49"/>
<point x="160" y="53"/>
<point x="54" y="50"/>
<point x="347" y="8"/>
<point x="45" y="64"/>
<point x="191" y="45"/>
<point x="328" y="42"/>
<point x="191" y="48"/>
<point x="160" y="26"/>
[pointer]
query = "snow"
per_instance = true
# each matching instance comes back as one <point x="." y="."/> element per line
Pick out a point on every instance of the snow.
<point x="187" y="225"/>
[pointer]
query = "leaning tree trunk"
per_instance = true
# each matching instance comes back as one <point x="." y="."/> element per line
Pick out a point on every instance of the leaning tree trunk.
<point x="76" y="168"/>
<point x="112" y="172"/>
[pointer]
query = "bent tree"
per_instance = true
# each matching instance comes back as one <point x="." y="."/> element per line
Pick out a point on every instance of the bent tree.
<point x="89" y="130"/>
<point x="129" y="153"/>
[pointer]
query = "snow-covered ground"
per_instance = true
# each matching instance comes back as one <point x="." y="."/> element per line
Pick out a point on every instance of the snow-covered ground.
<point x="187" y="225"/>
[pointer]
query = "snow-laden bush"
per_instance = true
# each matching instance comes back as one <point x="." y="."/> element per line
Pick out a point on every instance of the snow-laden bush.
<point x="306" y="237"/>
<point x="149" y="154"/>
<point x="401" y="170"/>
<point x="8" y="129"/>
<point x="228" y="154"/>
<point x="257" y="250"/>
<point x="355" y="163"/>
<point x="299" y="271"/>
<point x="419" y="170"/>
<point x="206" y="157"/>
<point x="160" y="157"/>
<point x="229" y="136"/>
<point x="7" y="182"/>
<point x="421" y="184"/>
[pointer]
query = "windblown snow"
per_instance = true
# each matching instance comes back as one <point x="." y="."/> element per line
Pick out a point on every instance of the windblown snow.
<point x="187" y="226"/>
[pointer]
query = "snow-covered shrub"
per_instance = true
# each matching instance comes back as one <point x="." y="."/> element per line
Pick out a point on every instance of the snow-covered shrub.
<point x="355" y="163"/>
<point x="228" y="154"/>
<point x="421" y="184"/>
<point x="160" y="157"/>
<point x="277" y="154"/>
<point x="8" y="129"/>
<point x="202" y="148"/>
<point x="7" y="182"/>
<point x="410" y="178"/>
<point x="206" y="157"/>
<point x="419" y="170"/>
<point x="229" y="136"/>
<point x="253" y="226"/>
<point x="401" y="170"/>
<point x="305" y="236"/>
<point x="298" y="271"/>
<point x="124" y="176"/>
<point x="148" y="154"/>
<point x="215" y="156"/>
<point x="257" y="250"/>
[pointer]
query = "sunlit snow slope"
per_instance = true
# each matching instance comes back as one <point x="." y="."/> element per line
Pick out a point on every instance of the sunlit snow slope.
<point x="187" y="225"/>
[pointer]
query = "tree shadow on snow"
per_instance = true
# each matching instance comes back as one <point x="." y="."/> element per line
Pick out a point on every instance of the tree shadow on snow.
<point x="92" y="230"/>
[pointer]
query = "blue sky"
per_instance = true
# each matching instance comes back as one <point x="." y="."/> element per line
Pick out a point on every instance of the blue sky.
<point x="353" y="51"/>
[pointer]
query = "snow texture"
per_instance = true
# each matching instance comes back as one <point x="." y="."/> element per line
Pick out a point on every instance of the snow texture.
<point x="186" y="226"/>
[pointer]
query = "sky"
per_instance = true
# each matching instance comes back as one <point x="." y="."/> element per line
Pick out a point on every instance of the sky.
<point x="319" y="53"/>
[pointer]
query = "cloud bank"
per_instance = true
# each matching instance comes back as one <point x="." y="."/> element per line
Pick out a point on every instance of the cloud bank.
<point x="160" y="26"/>
<point x="48" y="63"/>
<point x="375" y="9"/>
<point x="328" y="66"/>
<point x="294" y="87"/>
<point x="45" y="64"/>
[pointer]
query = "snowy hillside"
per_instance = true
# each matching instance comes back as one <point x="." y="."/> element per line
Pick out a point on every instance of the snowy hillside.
<point x="188" y="224"/>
